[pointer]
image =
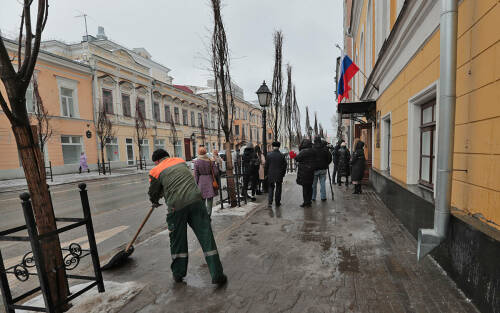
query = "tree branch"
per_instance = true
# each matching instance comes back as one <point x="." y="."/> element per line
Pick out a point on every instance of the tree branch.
<point x="19" y="44"/>
<point x="40" y="24"/>
<point x="5" y="109"/>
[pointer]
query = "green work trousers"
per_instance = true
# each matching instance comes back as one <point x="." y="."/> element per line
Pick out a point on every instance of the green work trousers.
<point x="197" y="217"/>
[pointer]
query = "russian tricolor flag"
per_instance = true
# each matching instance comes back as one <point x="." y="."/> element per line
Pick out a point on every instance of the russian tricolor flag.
<point x="347" y="71"/>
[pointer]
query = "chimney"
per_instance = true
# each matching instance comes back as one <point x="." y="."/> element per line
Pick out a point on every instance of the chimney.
<point x="100" y="33"/>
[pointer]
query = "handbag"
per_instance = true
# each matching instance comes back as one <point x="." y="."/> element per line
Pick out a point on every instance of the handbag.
<point x="215" y="185"/>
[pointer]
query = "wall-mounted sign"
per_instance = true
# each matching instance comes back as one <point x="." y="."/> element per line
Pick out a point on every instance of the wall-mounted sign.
<point x="88" y="133"/>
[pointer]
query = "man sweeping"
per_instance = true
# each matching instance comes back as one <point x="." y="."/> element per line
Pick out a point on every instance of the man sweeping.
<point x="172" y="179"/>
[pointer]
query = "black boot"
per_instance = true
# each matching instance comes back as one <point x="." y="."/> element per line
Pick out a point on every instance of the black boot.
<point x="359" y="189"/>
<point x="355" y="192"/>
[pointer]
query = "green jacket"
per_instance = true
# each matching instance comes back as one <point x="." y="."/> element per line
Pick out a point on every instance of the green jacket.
<point x="173" y="180"/>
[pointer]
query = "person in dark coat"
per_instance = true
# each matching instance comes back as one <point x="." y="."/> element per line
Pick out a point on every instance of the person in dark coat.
<point x="323" y="160"/>
<point x="358" y="166"/>
<point x="251" y="164"/>
<point x="335" y="157"/>
<point x="344" y="156"/>
<point x="275" y="167"/>
<point x="305" y="174"/>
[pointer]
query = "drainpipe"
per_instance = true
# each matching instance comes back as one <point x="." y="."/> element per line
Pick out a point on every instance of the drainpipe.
<point x="428" y="239"/>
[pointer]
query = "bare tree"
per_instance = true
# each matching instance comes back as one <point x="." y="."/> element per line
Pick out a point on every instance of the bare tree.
<point x="277" y="87"/>
<point x="16" y="83"/>
<point x="296" y="118"/>
<point x="173" y="131"/>
<point x="288" y="107"/>
<point x="41" y="118"/>
<point x="316" y="130"/>
<point x="202" y="131"/>
<point x="223" y="90"/>
<point x="321" y="132"/>
<point x="140" y="130"/>
<point x="308" y="124"/>
<point x="104" y="131"/>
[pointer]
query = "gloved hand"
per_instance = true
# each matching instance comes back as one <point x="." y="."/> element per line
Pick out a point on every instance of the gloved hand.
<point x="156" y="204"/>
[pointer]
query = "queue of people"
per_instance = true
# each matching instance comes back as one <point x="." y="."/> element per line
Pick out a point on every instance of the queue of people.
<point x="189" y="196"/>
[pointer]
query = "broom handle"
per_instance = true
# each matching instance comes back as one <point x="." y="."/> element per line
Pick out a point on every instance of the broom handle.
<point x="140" y="228"/>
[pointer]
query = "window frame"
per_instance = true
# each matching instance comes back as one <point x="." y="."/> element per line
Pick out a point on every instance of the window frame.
<point x="167" y="113"/>
<point x="177" y="116"/>
<point x="113" y="143"/>
<point x="141" y="108"/>
<point x="156" y="111"/>
<point x="185" y="117"/>
<point x="193" y="119"/>
<point x="108" y="107"/>
<point x="124" y="111"/>
<point x="71" y="143"/>
<point x="423" y="128"/>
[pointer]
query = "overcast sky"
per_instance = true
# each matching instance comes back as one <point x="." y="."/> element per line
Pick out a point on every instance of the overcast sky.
<point x="176" y="33"/>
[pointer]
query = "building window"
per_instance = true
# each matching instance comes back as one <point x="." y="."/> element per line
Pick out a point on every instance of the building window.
<point x="199" y="119"/>
<point x="141" y="107"/>
<point x="213" y="122"/>
<point x="126" y="105"/>
<point x="185" y="117"/>
<point x="144" y="148"/>
<point x="237" y="130"/>
<point x="107" y="100"/>
<point x="178" y="149"/>
<point x="193" y="120"/>
<point x="159" y="144"/>
<point x="67" y="102"/>
<point x="176" y="115"/>
<point x="167" y="114"/>
<point x="71" y="148"/>
<point x="427" y="138"/>
<point x="269" y="136"/>
<point x="156" y="111"/>
<point x="30" y="99"/>
<point x="112" y="150"/>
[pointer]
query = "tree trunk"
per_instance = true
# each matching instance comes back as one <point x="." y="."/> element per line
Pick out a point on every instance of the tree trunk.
<point x="34" y="171"/>
<point x="102" y="159"/>
<point x="229" y="173"/>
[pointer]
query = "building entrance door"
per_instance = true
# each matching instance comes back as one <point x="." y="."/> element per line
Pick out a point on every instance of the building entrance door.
<point x="187" y="148"/>
<point x="364" y="133"/>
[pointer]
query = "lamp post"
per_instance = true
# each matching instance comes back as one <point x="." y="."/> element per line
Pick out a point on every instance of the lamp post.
<point x="193" y="138"/>
<point x="264" y="96"/>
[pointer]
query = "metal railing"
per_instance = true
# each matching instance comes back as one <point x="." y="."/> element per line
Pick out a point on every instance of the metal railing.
<point x="48" y="172"/>
<point x="104" y="167"/>
<point x="35" y="258"/>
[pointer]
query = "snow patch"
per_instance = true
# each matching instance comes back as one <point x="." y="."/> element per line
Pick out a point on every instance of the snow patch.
<point x="116" y="296"/>
<point x="237" y="211"/>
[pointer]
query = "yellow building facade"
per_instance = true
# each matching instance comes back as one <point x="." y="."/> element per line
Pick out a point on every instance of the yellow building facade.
<point x="476" y="183"/>
<point x="65" y="87"/>
<point x="397" y="46"/>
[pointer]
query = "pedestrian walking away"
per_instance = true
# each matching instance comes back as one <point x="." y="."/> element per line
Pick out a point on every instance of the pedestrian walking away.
<point x="172" y="179"/>
<point x="335" y="157"/>
<point x="275" y="167"/>
<point x="358" y="166"/>
<point x="305" y="174"/>
<point x="205" y="172"/>
<point x="250" y="171"/>
<point x="323" y="160"/>
<point x="83" y="163"/>
<point x="344" y="157"/>
<point x="262" y="160"/>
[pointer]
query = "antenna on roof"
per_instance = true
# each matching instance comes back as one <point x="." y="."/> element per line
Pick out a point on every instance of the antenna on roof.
<point x="84" y="15"/>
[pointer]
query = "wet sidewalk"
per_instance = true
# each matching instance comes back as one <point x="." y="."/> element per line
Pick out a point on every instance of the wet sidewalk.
<point x="349" y="255"/>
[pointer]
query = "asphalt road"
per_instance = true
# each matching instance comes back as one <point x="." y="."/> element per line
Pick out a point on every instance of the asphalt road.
<point x="118" y="206"/>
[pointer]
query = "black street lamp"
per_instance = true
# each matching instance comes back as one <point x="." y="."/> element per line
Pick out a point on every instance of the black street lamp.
<point x="193" y="138"/>
<point x="264" y="96"/>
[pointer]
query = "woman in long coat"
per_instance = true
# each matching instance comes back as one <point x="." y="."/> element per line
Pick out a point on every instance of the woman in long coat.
<point x="305" y="173"/>
<point x="262" y="161"/>
<point x="83" y="163"/>
<point x="358" y="166"/>
<point x="203" y="167"/>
